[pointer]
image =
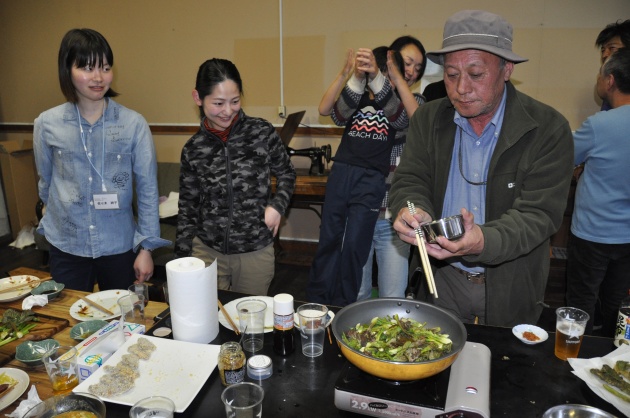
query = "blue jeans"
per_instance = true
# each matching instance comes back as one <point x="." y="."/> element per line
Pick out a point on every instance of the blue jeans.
<point x="392" y="258"/>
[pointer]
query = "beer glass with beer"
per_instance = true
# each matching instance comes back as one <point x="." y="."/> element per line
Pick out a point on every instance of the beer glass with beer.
<point x="570" y="326"/>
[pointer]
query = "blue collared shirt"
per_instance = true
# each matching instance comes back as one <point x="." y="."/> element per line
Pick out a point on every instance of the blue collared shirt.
<point x="73" y="170"/>
<point x="476" y="152"/>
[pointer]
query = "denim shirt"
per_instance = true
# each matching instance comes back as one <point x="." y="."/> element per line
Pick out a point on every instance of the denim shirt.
<point x="476" y="155"/>
<point x="70" y="176"/>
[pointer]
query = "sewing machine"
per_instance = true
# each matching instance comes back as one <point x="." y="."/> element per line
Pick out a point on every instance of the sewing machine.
<point x="317" y="156"/>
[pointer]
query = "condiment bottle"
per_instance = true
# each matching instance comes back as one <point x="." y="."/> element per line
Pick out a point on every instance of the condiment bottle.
<point x="283" y="333"/>
<point x="231" y="363"/>
<point x="622" y="331"/>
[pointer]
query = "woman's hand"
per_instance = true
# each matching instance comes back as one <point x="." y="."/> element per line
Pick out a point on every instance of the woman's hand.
<point x="393" y="72"/>
<point x="365" y="64"/>
<point x="348" y="66"/>
<point x="143" y="266"/>
<point x="272" y="219"/>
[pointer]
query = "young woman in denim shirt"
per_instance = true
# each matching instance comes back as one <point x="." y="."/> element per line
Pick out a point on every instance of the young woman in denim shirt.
<point x="90" y="152"/>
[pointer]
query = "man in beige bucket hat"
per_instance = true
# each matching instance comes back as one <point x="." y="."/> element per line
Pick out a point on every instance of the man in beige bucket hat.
<point x="501" y="159"/>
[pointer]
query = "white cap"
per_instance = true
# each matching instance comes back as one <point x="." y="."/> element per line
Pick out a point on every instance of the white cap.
<point x="283" y="304"/>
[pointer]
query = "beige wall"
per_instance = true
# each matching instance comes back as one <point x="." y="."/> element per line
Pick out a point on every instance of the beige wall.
<point x="159" y="44"/>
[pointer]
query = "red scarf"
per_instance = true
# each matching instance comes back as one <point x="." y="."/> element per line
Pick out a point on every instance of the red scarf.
<point x="223" y="135"/>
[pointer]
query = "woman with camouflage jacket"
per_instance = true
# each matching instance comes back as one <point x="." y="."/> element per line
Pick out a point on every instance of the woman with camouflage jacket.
<point x="226" y="209"/>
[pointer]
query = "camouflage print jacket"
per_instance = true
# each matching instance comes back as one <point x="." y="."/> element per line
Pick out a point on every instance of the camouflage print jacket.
<point x="225" y="187"/>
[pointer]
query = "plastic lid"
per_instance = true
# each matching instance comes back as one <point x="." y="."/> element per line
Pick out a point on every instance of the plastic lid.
<point x="259" y="367"/>
<point x="283" y="304"/>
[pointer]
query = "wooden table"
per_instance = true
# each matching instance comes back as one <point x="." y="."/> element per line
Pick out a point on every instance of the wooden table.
<point x="309" y="191"/>
<point x="59" y="308"/>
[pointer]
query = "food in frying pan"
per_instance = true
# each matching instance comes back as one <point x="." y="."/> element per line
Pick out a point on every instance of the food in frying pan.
<point x="398" y="339"/>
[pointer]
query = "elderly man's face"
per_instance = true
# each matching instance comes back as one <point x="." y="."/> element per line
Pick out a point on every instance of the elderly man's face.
<point x="474" y="83"/>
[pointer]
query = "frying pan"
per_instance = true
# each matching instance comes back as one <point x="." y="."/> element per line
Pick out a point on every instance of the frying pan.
<point x="364" y="311"/>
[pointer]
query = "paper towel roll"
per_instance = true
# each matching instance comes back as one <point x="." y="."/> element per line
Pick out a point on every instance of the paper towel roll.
<point x="192" y="293"/>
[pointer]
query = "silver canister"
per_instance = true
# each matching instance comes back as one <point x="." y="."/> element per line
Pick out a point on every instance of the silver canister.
<point x="452" y="228"/>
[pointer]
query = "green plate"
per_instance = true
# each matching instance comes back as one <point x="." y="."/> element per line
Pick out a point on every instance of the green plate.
<point x="51" y="288"/>
<point x="31" y="352"/>
<point x="83" y="330"/>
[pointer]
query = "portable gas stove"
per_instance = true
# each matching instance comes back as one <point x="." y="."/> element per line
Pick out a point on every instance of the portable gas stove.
<point x="460" y="391"/>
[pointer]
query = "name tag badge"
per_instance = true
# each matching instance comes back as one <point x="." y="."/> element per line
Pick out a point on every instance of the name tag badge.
<point x="106" y="201"/>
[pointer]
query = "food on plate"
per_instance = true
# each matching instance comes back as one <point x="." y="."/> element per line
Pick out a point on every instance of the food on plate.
<point x="31" y="281"/>
<point x="121" y="377"/>
<point x="14" y="325"/>
<point x="7" y="383"/>
<point x="77" y="414"/>
<point x="398" y="339"/>
<point x="84" y="310"/>
<point x="623" y="368"/>
<point x="530" y="336"/>
<point x="614" y="381"/>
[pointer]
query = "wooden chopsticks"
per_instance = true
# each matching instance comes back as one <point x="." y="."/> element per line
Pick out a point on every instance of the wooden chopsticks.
<point x="19" y="286"/>
<point x="97" y="306"/>
<point x="424" y="257"/>
<point x="229" y="318"/>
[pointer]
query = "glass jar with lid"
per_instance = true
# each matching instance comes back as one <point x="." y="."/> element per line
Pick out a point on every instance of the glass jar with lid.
<point x="231" y="363"/>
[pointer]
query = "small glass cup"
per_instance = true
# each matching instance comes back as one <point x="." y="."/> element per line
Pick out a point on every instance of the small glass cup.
<point x="313" y="319"/>
<point x="251" y="317"/>
<point x="153" y="407"/>
<point x="141" y="289"/>
<point x="570" y="326"/>
<point x="243" y="400"/>
<point x="61" y="366"/>
<point x="132" y="309"/>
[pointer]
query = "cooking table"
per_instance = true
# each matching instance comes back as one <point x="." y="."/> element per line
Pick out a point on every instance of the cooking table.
<point x="526" y="380"/>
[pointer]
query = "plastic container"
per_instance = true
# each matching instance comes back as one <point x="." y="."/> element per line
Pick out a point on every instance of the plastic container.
<point x="259" y="367"/>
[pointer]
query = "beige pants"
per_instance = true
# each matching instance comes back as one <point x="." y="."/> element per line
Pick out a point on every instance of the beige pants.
<point x="249" y="273"/>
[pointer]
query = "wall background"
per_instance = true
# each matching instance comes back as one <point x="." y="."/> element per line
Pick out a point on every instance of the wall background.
<point x="159" y="44"/>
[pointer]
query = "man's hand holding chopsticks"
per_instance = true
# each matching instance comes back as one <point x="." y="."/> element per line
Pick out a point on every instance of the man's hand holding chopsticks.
<point x="471" y="243"/>
<point x="405" y="224"/>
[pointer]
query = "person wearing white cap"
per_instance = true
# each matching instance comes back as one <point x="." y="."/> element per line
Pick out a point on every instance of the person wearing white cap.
<point x="501" y="159"/>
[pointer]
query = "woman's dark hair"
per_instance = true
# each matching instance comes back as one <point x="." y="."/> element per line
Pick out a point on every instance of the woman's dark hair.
<point x="213" y="72"/>
<point x="82" y="47"/>
<point x="403" y="41"/>
<point x="380" y="55"/>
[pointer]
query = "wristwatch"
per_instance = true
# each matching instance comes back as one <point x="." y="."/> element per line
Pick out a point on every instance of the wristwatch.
<point x="146" y="249"/>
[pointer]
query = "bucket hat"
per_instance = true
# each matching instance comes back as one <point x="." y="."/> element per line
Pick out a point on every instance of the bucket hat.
<point x="477" y="29"/>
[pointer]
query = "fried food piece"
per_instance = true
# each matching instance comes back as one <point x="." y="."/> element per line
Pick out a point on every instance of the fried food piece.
<point x="138" y="351"/>
<point x="623" y="368"/>
<point x="146" y="345"/>
<point x="131" y="360"/>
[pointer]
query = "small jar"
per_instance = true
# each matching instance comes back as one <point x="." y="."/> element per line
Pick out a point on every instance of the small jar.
<point x="231" y="363"/>
<point x="259" y="367"/>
